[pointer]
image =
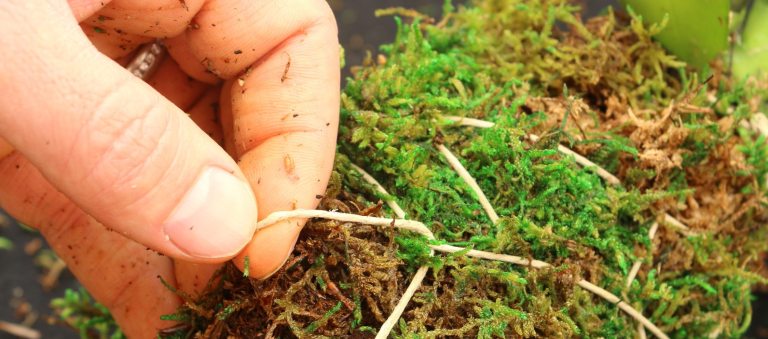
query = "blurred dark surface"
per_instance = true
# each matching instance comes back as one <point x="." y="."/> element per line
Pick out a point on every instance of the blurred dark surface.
<point x="20" y="284"/>
<point x="359" y="31"/>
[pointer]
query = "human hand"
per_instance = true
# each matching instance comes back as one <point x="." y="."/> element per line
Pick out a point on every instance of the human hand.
<point x="90" y="147"/>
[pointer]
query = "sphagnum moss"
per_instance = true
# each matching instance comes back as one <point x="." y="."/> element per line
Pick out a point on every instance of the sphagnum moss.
<point x="680" y="146"/>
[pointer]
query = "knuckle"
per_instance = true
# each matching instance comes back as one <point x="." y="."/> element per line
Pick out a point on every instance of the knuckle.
<point x="124" y="141"/>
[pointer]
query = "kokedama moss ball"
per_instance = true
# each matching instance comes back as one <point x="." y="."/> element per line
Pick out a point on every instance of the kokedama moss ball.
<point x="670" y="218"/>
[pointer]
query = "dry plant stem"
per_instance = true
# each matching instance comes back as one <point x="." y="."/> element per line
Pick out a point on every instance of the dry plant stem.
<point x="623" y="306"/>
<point x="471" y="122"/>
<point x="636" y="266"/>
<point x="584" y="162"/>
<point x="54" y="272"/>
<point x="409" y="225"/>
<point x="391" y="203"/>
<point x="19" y="331"/>
<point x="464" y="174"/>
<point x="641" y="331"/>
<point x="633" y="272"/>
<point x="417" y="279"/>
<point x="512" y="259"/>
<point x="685" y="230"/>
<point x="391" y="321"/>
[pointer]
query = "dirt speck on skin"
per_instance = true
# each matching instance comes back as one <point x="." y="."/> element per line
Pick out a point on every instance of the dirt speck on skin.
<point x="289" y="164"/>
<point x="285" y="71"/>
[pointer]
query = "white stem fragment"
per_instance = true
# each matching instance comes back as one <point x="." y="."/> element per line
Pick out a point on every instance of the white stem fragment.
<point x="470" y="122"/>
<point x="636" y="266"/>
<point x="512" y="259"/>
<point x="608" y="296"/>
<point x="391" y="321"/>
<point x="418" y="278"/>
<point x="19" y="330"/>
<point x="390" y="202"/>
<point x="464" y="174"/>
<point x="584" y="162"/>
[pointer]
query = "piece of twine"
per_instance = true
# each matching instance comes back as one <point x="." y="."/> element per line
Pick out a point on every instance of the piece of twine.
<point x="415" y="226"/>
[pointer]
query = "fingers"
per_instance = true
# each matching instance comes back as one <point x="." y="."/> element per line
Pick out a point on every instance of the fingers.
<point x="113" y="43"/>
<point x="114" y="146"/>
<point x="156" y="19"/>
<point x="284" y="108"/>
<point x="172" y="83"/>
<point x="229" y="35"/>
<point x="82" y="9"/>
<point x="119" y="273"/>
<point x="5" y="148"/>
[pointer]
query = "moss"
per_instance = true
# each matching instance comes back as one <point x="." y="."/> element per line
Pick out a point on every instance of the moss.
<point x="603" y="87"/>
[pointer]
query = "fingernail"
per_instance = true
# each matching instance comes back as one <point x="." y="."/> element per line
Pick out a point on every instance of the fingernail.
<point x="215" y="218"/>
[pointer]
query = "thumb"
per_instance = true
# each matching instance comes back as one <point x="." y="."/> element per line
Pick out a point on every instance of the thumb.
<point x="114" y="146"/>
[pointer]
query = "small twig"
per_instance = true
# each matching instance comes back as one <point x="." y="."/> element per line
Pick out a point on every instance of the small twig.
<point x="685" y="230"/>
<point x="512" y="259"/>
<point x="464" y="174"/>
<point x="636" y="266"/>
<point x="471" y="122"/>
<point x="19" y="330"/>
<point x="633" y="272"/>
<point x="641" y="331"/>
<point x="390" y="202"/>
<point x="628" y="309"/>
<point x="391" y="321"/>
<point x="410" y="225"/>
<point x="50" y="279"/>
<point x="584" y="162"/>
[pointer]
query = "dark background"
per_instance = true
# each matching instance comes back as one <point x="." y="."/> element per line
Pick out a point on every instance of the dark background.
<point x="359" y="31"/>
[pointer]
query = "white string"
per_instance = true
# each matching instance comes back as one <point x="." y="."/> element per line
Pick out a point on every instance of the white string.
<point x="464" y="174"/>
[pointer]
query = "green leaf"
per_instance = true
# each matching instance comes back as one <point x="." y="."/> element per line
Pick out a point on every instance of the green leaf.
<point x="5" y="244"/>
<point x="751" y="56"/>
<point x="696" y="31"/>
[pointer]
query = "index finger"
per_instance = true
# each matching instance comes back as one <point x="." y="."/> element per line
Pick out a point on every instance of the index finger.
<point x="283" y="102"/>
